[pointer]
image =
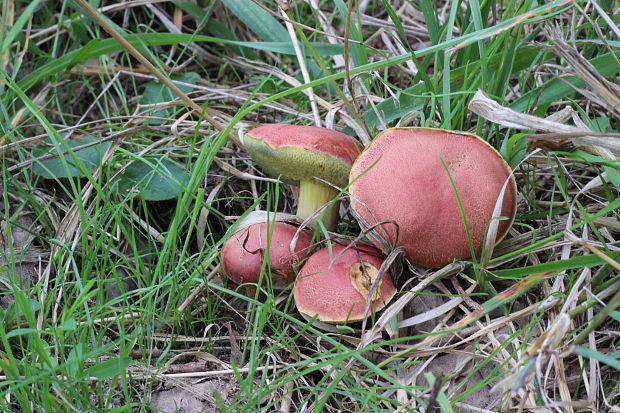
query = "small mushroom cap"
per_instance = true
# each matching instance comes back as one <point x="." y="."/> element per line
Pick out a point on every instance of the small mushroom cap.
<point x="410" y="185"/>
<point x="242" y="253"/>
<point x="298" y="153"/>
<point x="327" y="288"/>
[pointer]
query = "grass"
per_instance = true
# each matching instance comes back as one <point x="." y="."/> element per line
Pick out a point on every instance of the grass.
<point x="110" y="297"/>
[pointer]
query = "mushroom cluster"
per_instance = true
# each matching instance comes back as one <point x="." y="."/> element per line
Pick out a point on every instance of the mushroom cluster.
<point x="431" y="191"/>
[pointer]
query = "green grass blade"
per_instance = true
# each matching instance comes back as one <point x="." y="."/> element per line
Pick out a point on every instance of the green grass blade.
<point x="582" y="261"/>
<point x="18" y="25"/>
<point x="261" y="22"/>
<point x="96" y="48"/>
<point x="597" y="355"/>
<point x="557" y="89"/>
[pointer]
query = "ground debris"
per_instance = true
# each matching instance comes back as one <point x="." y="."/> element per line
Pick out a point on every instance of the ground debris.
<point x="20" y="259"/>
<point x="192" y="397"/>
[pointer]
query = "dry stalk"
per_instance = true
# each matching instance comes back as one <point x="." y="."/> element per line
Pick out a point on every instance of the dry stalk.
<point x="486" y="107"/>
<point x="207" y="113"/>
<point x="301" y="59"/>
<point x="602" y="91"/>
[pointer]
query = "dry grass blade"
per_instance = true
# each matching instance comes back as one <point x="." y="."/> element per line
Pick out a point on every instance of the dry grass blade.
<point x="8" y="16"/>
<point x="205" y="112"/>
<point x="394" y="309"/>
<point x="603" y="92"/>
<point x="486" y="107"/>
<point x="491" y="234"/>
<point x="503" y="297"/>
<point x="302" y="66"/>
<point x="434" y="312"/>
<point x="594" y="250"/>
<point x="174" y="29"/>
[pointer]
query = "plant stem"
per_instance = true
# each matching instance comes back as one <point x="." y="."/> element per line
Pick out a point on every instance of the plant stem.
<point x="599" y="318"/>
<point x="206" y="113"/>
<point x="312" y="196"/>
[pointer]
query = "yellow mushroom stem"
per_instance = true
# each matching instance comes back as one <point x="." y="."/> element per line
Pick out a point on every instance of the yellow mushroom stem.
<point x="312" y="196"/>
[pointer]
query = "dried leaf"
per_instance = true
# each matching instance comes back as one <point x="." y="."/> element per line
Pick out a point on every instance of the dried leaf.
<point x="426" y="309"/>
<point x="20" y="260"/>
<point x="603" y="92"/>
<point x="188" y="398"/>
<point x="363" y="275"/>
<point x="486" y="107"/>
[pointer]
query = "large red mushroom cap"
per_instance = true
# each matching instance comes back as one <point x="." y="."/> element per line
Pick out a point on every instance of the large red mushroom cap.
<point x="335" y="287"/>
<point x="243" y="253"/>
<point x="409" y="185"/>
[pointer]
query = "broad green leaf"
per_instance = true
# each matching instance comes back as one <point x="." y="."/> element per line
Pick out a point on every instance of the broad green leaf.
<point x="260" y="21"/>
<point x="69" y="325"/>
<point x="613" y="175"/>
<point x="156" y="92"/>
<point x="15" y="311"/>
<point x="75" y="359"/>
<point x="590" y="158"/>
<point x="197" y="12"/>
<point x="153" y="178"/>
<point x="598" y="124"/>
<point x="109" y="368"/>
<point x="54" y="168"/>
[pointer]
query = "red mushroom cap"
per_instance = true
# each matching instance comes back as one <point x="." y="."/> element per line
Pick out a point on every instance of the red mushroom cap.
<point x="299" y="153"/>
<point x="242" y="253"/>
<point x="410" y="185"/>
<point x="336" y="291"/>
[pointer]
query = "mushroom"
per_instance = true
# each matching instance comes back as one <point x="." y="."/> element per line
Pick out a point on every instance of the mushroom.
<point x="403" y="178"/>
<point x="243" y="253"/>
<point x="298" y="154"/>
<point x="334" y="286"/>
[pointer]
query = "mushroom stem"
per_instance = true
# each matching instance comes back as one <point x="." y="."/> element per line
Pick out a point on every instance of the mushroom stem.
<point x="312" y="196"/>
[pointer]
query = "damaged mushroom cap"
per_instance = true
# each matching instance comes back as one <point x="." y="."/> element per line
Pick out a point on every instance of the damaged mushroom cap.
<point x="410" y="186"/>
<point x="335" y="286"/>
<point x="243" y="253"/>
<point x="297" y="154"/>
